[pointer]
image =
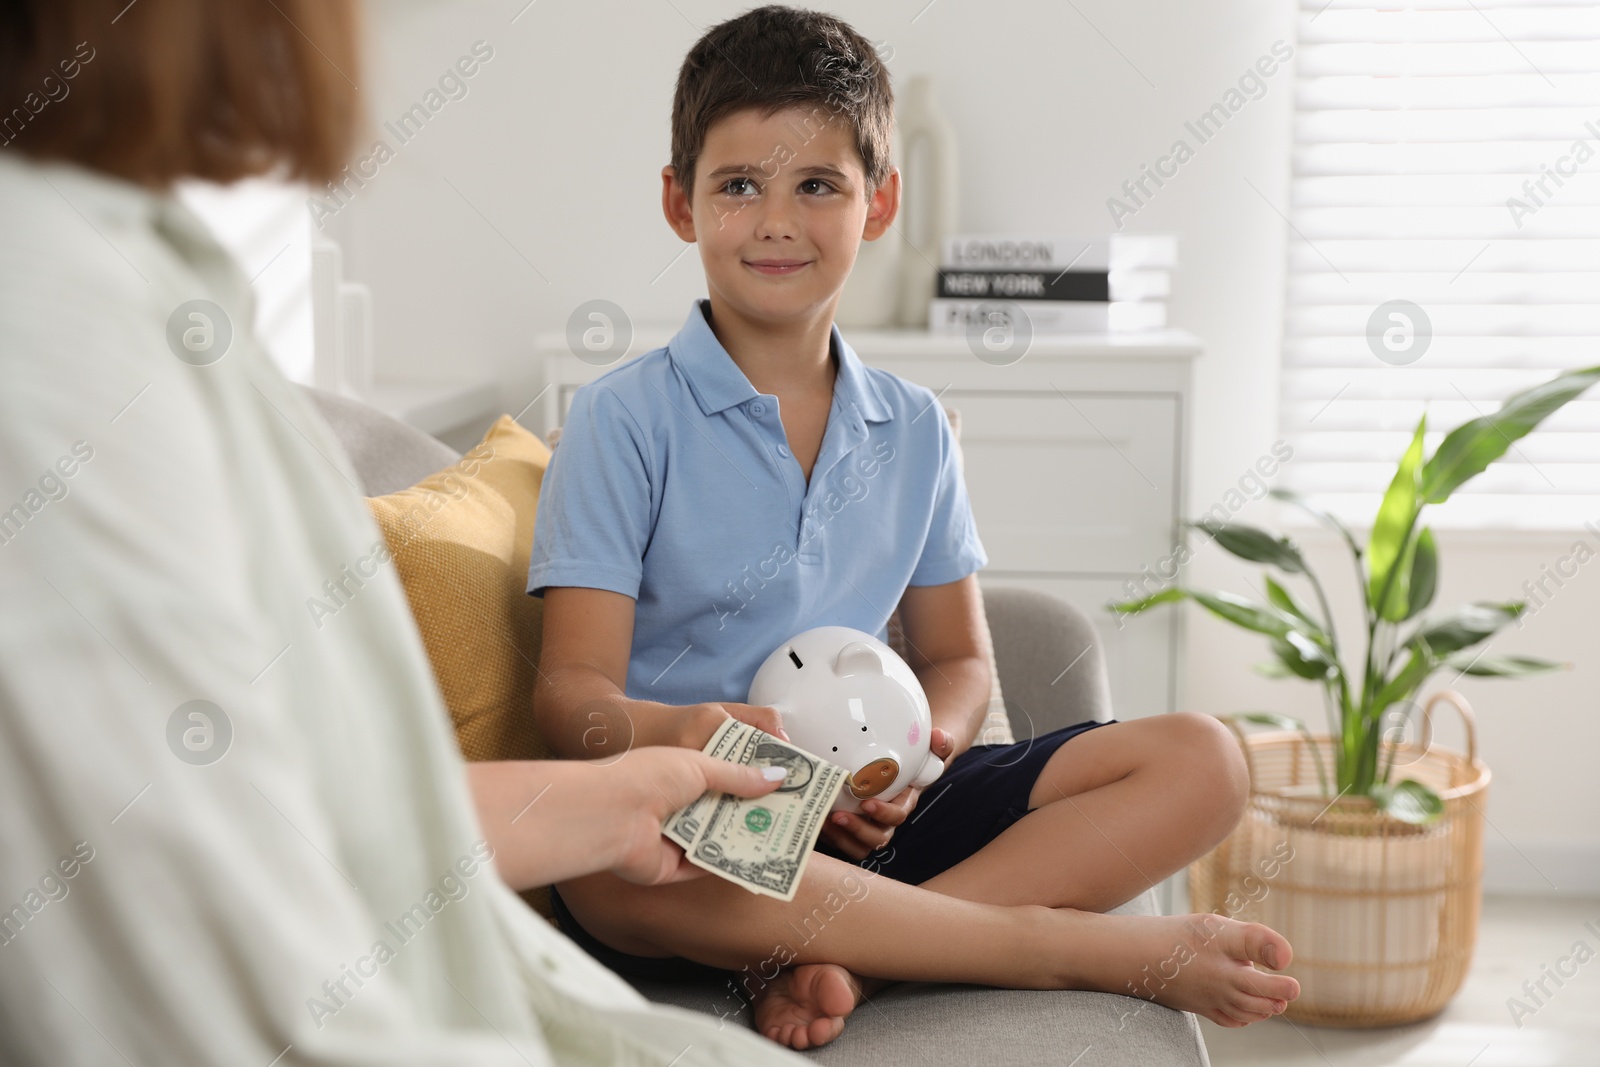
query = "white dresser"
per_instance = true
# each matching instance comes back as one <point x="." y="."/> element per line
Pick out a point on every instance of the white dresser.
<point x="1076" y="461"/>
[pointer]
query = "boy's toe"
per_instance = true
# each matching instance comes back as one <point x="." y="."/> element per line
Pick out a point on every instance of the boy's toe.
<point x="1271" y="986"/>
<point x="1245" y="1006"/>
<point x="823" y="1031"/>
<point x="1270" y="947"/>
<point x="1258" y="943"/>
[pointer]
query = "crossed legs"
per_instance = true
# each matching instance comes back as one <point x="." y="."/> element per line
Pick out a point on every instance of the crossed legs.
<point x="1115" y="810"/>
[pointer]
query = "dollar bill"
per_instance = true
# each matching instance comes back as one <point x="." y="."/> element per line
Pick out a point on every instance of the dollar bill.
<point x="733" y="742"/>
<point x="762" y="843"/>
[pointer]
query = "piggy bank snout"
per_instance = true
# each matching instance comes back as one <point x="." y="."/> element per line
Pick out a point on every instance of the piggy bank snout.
<point x="874" y="778"/>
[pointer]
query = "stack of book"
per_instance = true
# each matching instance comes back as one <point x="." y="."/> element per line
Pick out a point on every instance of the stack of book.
<point x="1110" y="284"/>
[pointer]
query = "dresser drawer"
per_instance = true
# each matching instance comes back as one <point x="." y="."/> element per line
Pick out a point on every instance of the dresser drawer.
<point x="1075" y="482"/>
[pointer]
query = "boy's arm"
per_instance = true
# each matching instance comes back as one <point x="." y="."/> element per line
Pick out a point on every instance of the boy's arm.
<point x="941" y="628"/>
<point x="941" y="624"/>
<point x="941" y="610"/>
<point x="580" y="702"/>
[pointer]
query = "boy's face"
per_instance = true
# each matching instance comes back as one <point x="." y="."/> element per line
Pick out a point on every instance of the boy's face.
<point x="779" y="210"/>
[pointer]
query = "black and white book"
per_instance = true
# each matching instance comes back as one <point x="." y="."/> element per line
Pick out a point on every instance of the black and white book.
<point x="1085" y="285"/>
<point x="1046" y="316"/>
<point x="1106" y="252"/>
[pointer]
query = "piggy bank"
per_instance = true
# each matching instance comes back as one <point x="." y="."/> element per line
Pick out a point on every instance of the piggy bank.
<point x="846" y="696"/>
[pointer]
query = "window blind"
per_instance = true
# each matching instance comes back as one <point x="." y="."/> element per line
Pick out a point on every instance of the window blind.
<point x="1447" y="154"/>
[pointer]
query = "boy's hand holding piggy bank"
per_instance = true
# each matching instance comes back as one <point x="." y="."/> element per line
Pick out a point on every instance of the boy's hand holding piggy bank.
<point x="846" y="696"/>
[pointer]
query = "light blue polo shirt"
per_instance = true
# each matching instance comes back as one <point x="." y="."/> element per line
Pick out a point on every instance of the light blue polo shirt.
<point x="673" y="484"/>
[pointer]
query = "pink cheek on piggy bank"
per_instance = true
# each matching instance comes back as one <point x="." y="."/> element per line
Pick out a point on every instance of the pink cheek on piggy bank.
<point x="914" y="734"/>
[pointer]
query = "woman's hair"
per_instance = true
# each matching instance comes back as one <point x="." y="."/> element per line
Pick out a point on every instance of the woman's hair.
<point x="777" y="57"/>
<point x="158" y="90"/>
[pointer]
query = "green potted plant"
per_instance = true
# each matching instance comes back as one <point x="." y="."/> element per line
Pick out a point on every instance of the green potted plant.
<point x="1373" y="846"/>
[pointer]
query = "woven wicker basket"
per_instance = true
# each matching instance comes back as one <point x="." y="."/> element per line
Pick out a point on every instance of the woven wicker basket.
<point x="1382" y="915"/>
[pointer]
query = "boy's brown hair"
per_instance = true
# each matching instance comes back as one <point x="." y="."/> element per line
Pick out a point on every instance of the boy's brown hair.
<point x="159" y="90"/>
<point x="777" y="57"/>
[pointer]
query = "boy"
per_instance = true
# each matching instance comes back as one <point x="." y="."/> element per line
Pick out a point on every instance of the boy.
<point x="753" y="479"/>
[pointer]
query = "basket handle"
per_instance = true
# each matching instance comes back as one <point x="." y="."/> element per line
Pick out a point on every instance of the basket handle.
<point x="1459" y="702"/>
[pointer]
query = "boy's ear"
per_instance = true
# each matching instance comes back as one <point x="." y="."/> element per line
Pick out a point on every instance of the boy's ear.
<point x="675" y="204"/>
<point x="883" y="207"/>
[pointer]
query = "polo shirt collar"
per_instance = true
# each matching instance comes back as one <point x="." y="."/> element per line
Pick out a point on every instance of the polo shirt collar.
<point x="718" y="384"/>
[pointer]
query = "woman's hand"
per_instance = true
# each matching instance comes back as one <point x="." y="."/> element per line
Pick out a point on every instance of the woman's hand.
<point x="662" y="781"/>
<point x="858" y="836"/>
<point x="550" y="820"/>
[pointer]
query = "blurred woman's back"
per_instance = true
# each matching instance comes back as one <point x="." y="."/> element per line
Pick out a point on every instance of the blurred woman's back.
<point x="226" y="835"/>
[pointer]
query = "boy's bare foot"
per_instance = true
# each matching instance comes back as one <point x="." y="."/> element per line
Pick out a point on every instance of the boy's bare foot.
<point x="1206" y="964"/>
<point x="806" y="1006"/>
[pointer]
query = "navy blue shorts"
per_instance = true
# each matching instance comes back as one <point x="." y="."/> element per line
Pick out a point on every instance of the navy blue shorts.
<point x="980" y="795"/>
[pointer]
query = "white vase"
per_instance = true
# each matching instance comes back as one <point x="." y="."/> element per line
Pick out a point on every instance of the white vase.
<point x="871" y="298"/>
<point x="928" y="202"/>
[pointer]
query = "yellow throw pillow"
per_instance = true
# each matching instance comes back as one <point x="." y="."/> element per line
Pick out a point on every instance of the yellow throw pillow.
<point x="460" y="540"/>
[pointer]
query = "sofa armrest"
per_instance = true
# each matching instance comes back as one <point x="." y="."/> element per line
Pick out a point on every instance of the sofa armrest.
<point x="387" y="454"/>
<point x="1052" y="668"/>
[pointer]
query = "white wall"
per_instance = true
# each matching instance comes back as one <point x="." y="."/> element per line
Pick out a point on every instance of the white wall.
<point x="559" y="144"/>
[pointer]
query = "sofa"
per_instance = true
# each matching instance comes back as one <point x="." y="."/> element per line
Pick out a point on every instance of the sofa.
<point x="1034" y="633"/>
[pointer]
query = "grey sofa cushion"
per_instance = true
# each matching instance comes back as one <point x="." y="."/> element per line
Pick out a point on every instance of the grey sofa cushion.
<point x="1036" y="637"/>
<point x="387" y="454"/>
<point x="954" y="1024"/>
<point x="974" y="1025"/>
<point x="1052" y="669"/>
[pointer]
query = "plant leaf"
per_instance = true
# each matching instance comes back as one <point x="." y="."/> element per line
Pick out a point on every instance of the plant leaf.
<point x="1273" y="669"/>
<point x="1399" y="598"/>
<point x="1241" y="612"/>
<point x="1302" y="656"/>
<point x="1133" y="607"/>
<point x="1504" y="666"/>
<point x="1390" y="547"/>
<point x="1410" y="801"/>
<point x="1327" y="518"/>
<point x="1270" y="718"/>
<point x="1309" y="647"/>
<point x="1467" y="626"/>
<point x="1281" y="598"/>
<point x="1400" y="685"/>
<point x="1472" y="446"/>
<point x="1254" y="544"/>
<point x="1424" y="574"/>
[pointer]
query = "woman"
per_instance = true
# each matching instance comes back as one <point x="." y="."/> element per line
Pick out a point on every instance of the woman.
<point x="226" y="835"/>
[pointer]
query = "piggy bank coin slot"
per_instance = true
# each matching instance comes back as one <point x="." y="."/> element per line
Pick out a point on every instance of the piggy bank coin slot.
<point x="798" y="665"/>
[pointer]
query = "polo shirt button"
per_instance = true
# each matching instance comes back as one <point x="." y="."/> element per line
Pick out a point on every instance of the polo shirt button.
<point x="758" y="408"/>
<point x="783" y="450"/>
